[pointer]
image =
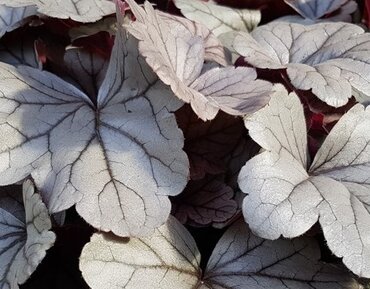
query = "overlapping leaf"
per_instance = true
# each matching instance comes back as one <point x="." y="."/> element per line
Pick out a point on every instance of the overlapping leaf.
<point x="219" y="19"/>
<point x="177" y="57"/>
<point x="330" y="59"/>
<point x="317" y="9"/>
<point x="170" y="259"/>
<point x="12" y="18"/>
<point x="118" y="159"/>
<point x="287" y="195"/>
<point x="24" y="235"/>
<point x="79" y="10"/>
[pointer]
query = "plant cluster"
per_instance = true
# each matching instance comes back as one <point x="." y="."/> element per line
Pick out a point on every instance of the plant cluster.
<point x="135" y="139"/>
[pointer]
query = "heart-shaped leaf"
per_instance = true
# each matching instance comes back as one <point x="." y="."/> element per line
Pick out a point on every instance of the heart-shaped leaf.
<point x="117" y="160"/>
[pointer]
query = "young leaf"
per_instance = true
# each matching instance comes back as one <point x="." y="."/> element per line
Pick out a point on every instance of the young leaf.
<point x="12" y="18"/>
<point x="78" y="10"/>
<point x="328" y="58"/>
<point x="317" y="9"/>
<point x="117" y="159"/>
<point x="177" y="58"/>
<point x="25" y="235"/>
<point x="286" y="196"/>
<point x="219" y="19"/>
<point x="170" y="259"/>
<point x="206" y="202"/>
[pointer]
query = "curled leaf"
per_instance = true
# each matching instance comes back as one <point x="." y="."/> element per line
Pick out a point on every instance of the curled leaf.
<point x="177" y="56"/>
<point x="25" y="235"/>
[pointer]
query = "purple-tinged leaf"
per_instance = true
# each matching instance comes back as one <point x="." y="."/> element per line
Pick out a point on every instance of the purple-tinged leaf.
<point x="25" y="235"/>
<point x="287" y="195"/>
<point x="205" y="202"/>
<point x="330" y="59"/>
<point x="170" y="259"/>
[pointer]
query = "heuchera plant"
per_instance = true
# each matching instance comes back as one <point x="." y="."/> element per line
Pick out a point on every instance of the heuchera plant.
<point x="201" y="145"/>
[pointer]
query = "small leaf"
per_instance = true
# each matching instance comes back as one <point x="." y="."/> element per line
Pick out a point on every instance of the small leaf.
<point x="332" y="64"/>
<point x="219" y="19"/>
<point x="78" y="10"/>
<point x="25" y="235"/>
<point x="170" y="259"/>
<point x="287" y="197"/>
<point x="205" y="202"/>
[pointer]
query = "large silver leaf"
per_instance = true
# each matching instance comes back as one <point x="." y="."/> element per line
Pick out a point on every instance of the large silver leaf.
<point x="12" y="18"/>
<point x="25" y="235"/>
<point x="318" y="8"/>
<point x="167" y="259"/>
<point x="329" y="58"/>
<point x="243" y="260"/>
<point x="285" y="198"/>
<point x="79" y="10"/>
<point x="118" y="160"/>
<point x="219" y="19"/>
<point x="170" y="259"/>
<point x="177" y="55"/>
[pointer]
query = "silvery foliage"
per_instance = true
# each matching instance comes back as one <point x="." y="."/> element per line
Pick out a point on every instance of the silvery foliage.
<point x="24" y="235"/>
<point x="79" y="10"/>
<point x="170" y="259"/>
<point x="330" y="59"/>
<point x="319" y="10"/>
<point x="177" y="54"/>
<point x="12" y="18"/>
<point x="117" y="160"/>
<point x="219" y="19"/>
<point x="288" y="194"/>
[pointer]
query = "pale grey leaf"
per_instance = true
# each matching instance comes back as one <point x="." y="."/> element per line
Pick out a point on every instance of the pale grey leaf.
<point x="316" y="9"/>
<point x="335" y="57"/>
<point x="213" y="48"/>
<point x="280" y="127"/>
<point x="119" y="159"/>
<point x="284" y="199"/>
<point x="236" y="91"/>
<point x="78" y="10"/>
<point x="344" y="156"/>
<point x="11" y="18"/>
<point x="25" y="235"/>
<point x="243" y="260"/>
<point x="219" y="19"/>
<point x="167" y="259"/>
